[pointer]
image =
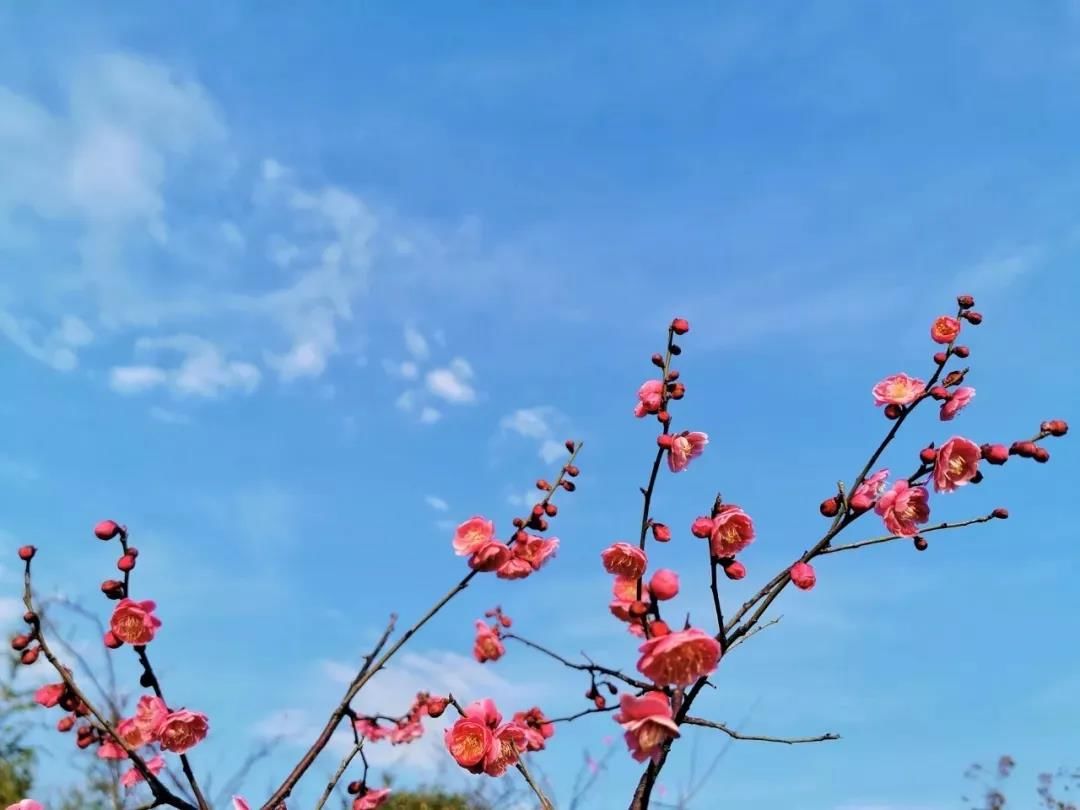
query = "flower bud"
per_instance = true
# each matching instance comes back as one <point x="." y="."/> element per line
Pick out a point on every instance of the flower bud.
<point x="107" y="530"/>
<point x="1055" y="427"/>
<point x="664" y="440"/>
<point x="678" y="391"/>
<point x="1001" y="513"/>
<point x="995" y="453"/>
<point x="675" y="349"/>
<point x="735" y="570"/>
<point x="569" y="443"/>
<point x="658" y="360"/>
<point x="550" y="509"/>
<point x="84" y="741"/>
<point x="26" y="553"/>
<point x="680" y="326"/>
<point x="961" y="351"/>
<point x="658" y="628"/>
<point x="126" y="563"/>
<point x="664" y="584"/>
<point x="663" y="417"/>
<point x="1041" y="454"/>
<point x="436" y="705"/>
<point x="974" y="318"/>
<point x="660" y="532"/>
<point x="803" y="576"/>
<point x="569" y="486"/>
<point x="638" y="609"/>
<point x="927" y="455"/>
<point x="543" y="485"/>
<point x="965" y="301"/>
<point x="1022" y="449"/>
<point x="702" y="527"/>
<point x="600" y="702"/>
<point x="940" y="358"/>
<point x="65" y="724"/>
<point x="920" y="543"/>
<point x="112" y="641"/>
<point x="572" y="470"/>
<point x="30" y="617"/>
<point x="132" y="551"/>
<point x="893" y="411"/>
<point x="354" y="787"/>
<point x="30" y="655"/>
<point x="939" y="392"/>
<point x="830" y="507"/>
<point x="20" y="642"/>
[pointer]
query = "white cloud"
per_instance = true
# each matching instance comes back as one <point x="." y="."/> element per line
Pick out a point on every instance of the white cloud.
<point x="452" y="383"/>
<point x="552" y="450"/>
<point x="429" y="415"/>
<point x="409" y="370"/>
<point x="55" y="348"/>
<point x="436" y="503"/>
<point x="406" y="401"/>
<point x="539" y="424"/>
<point x="203" y="370"/>
<point x="415" y="343"/>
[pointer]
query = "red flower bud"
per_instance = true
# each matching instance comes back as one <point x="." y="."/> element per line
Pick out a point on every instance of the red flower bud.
<point x="30" y="655"/>
<point x="84" y="741"/>
<point x="802" y="576"/>
<point x="940" y="392"/>
<point x="965" y="301"/>
<point x="658" y="628"/>
<point x="1022" y="449"/>
<point x="680" y="326"/>
<point x="735" y="570"/>
<point x="65" y="724"/>
<point x="572" y="470"/>
<point x="920" y="543"/>
<point x="134" y="552"/>
<point x="660" y="532"/>
<point x="927" y="455"/>
<point x="830" y="507"/>
<point x="638" y="608"/>
<point x="569" y="486"/>
<point x="663" y="417"/>
<point x="702" y="527"/>
<point x="678" y="391"/>
<point x="26" y="553"/>
<point x="961" y="351"/>
<point x="542" y="484"/>
<point x="995" y="453"/>
<point x="1055" y="427"/>
<point x="112" y="641"/>
<point x="893" y="411"/>
<point x="436" y="706"/>
<point x="550" y="509"/>
<point x="658" y="360"/>
<point x="600" y="702"/>
<point x="20" y="642"/>
<point x="1001" y="513"/>
<point x="664" y="584"/>
<point x="126" y="563"/>
<point x="675" y="349"/>
<point x="107" y="530"/>
<point x="664" y="440"/>
<point x="974" y="318"/>
<point x="570" y="445"/>
<point x="30" y="617"/>
<point x="940" y="358"/>
<point x="1041" y="454"/>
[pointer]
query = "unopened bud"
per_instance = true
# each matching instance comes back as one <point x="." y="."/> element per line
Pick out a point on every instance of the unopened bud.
<point x="113" y="589"/>
<point x="550" y="509"/>
<point x="675" y="349"/>
<point x="126" y="563"/>
<point x="599" y="702"/>
<point x="20" y="642"/>
<point x="569" y="443"/>
<point x="961" y="351"/>
<point x="658" y="628"/>
<point x="680" y="326"/>
<point x="65" y="724"/>
<point x="543" y="485"/>
<point x="1055" y="427"/>
<point x="940" y="358"/>
<point x="112" y="641"/>
<point x="702" y="527"/>
<point x="658" y="360"/>
<point x="830" y="507"/>
<point x="1041" y="454"/>
<point x="1001" y="513"/>
<point x="354" y="787"/>
<point x="678" y="391"/>
<point x="927" y="455"/>
<point x="664" y="440"/>
<point x="920" y="543"/>
<point x="1023" y="449"/>
<point x="995" y="453"/>
<point x="107" y="530"/>
<point x="974" y="318"/>
<point x="572" y="470"/>
<point x="638" y="608"/>
<point x="30" y="655"/>
<point x="436" y="706"/>
<point x="84" y="741"/>
<point x="663" y="417"/>
<point x="965" y="301"/>
<point x="660" y="532"/>
<point x="735" y="570"/>
<point x="893" y="411"/>
<point x="26" y="553"/>
<point x="940" y="392"/>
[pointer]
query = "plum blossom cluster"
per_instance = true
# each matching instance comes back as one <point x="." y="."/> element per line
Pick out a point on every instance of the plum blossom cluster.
<point x="674" y="661"/>
<point x="480" y="742"/>
<point x="406" y="728"/>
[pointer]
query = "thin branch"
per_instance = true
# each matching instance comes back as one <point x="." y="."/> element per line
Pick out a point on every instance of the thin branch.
<point x="589" y="667"/>
<point x="345" y="762"/>
<point x="889" y="537"/>
<point x="755" y="631"/>
<point x="736" y="735"/>
<point x="583" y="713"/>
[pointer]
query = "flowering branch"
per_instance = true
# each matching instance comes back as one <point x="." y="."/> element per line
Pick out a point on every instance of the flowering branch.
<point x="890" y="537"/>
<point x="736" y="735"/>
<point x="162" y="795"/>
<point x="590" y="667"/>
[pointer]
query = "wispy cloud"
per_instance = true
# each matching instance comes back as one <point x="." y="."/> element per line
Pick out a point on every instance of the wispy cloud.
<point x="203" y="371"/>
<point x="436" y="503"/>
<point x="538" y="424"/>
<point x="452" y="383"/>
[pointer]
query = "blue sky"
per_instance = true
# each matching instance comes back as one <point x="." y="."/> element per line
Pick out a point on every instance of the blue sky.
<point x="290" y="294"/>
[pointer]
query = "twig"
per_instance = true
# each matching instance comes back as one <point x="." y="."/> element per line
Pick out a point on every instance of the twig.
<point x="735" y="735"/>
<point x="589" y="667"/>
<point x="889" y="537"/>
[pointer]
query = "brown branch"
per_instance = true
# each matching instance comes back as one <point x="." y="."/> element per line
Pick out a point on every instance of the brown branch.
<point x="735" y="735"/>
<point x="161" y="793"/>
<point x="889" y="537"/>
<point x="589" y="667"/>
<point x="583" y="713"/>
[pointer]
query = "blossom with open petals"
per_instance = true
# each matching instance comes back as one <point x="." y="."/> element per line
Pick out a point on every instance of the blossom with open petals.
<point x="488" y="646"/>
<point x="49" y="695"/>
<point x="957" y="463"/>
<point x="134" y="622"/>
<point x="650" y="398"/>
<point x="132" y="777"/>
<point x="732" y="531"/>
<point x="490" y="556"/>
<point x="648" y="722"/>
<point x="957" y="401"/>
<point x="899" y="389"/>
<point x="945" y="330"/>
<point x="538" y="729"/>
<point x="685" y="447"/>
<point x="182" y="730"/>
<point x="866" y="493"/>
<point x="472" y="534"/>
<point x="624" y="560"/>
<point x="371" y="799"/>
<point x="903" y="507"/>
<point x="679" y="658"/>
